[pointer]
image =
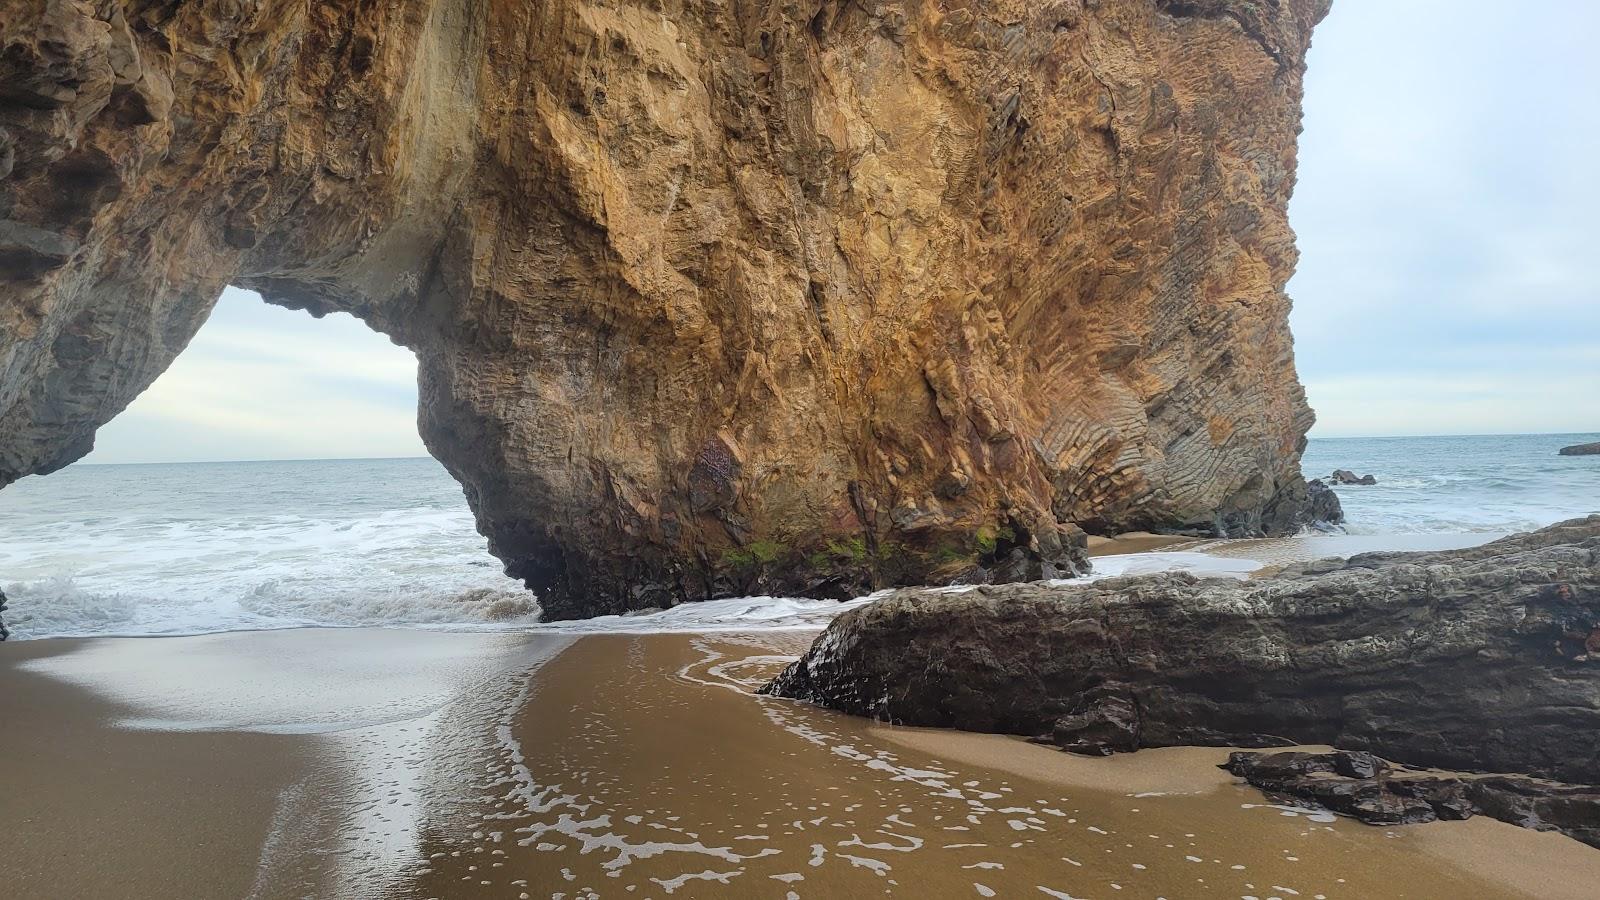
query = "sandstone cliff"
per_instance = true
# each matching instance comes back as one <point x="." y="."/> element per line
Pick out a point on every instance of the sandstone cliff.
<point x="708" y="297"/>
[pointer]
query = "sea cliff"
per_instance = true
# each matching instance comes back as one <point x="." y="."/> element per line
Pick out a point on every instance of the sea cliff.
<point x="708" y="298"/>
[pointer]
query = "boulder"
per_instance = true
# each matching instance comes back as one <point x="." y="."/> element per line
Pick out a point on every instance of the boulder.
<point x="1345" y="476"/>
<point x="1484" y="659"/>
<point x="1323" y="504"/>
<point x="1582" y="450"/>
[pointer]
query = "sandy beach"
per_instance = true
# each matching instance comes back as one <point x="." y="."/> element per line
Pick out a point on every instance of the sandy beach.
<point x="309" y="763"/>
<point x="458" y="450"/>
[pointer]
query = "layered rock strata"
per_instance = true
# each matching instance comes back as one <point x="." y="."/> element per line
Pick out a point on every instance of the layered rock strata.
<point x="1485" y="659"/>
<point x="707" y="297"/>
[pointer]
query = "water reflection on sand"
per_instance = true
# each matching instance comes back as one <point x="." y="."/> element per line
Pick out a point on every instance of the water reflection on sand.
<point x="642" y="766"/>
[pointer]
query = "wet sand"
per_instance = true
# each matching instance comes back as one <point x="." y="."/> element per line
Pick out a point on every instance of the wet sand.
<point x="247" y="764"/>
<point x="360" y="763"/>
<point x="1542" y="864"/>
<point x="1135" y="542"/>
<point x="91" y="810"/>
<point x="1277" y="552"/>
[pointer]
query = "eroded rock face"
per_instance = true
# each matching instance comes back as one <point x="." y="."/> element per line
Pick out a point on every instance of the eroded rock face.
<point x="708" y="298"/>
<point x="1485" y="659"/>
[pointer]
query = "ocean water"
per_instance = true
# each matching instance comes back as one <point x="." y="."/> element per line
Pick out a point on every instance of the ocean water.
<point x="186" y="548"/>
<point x="192" y="547"/>
<point x="1494" y="484"/>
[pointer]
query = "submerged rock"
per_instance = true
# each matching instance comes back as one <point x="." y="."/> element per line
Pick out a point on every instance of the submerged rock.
<point x="1345" y="476"/>
<point x="1582" y="450"/>
<point x="707" y="299"/>
<point x="1479" y="659"/>
<point x="1362" y="786"/>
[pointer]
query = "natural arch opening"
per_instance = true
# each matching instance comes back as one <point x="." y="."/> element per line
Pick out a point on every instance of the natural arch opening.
<point x="272" y="476"/>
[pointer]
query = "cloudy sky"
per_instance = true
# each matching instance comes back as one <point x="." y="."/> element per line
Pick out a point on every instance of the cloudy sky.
<point x="1449" y="279"/>
<point x="264" y="382"/>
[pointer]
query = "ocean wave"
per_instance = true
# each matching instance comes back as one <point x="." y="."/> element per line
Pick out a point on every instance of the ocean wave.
<point x="182" y="549"/>
<point x="56" y="606"/>
<point x="391" y="606"/>
<point x="59" y="607"/>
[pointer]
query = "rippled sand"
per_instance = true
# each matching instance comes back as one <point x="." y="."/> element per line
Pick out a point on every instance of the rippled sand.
<point x="629" y="766"/>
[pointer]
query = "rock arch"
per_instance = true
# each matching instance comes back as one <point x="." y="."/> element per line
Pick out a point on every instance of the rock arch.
<point x="708" y="298"/>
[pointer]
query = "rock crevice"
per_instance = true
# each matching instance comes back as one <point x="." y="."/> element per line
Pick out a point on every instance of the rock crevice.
<point x="708" y="298"/>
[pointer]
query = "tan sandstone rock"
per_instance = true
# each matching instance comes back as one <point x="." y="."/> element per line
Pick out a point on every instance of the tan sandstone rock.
<point x="708" y="297"/>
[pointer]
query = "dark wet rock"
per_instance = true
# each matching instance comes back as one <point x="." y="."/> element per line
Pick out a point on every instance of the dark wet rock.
<point x="1345" y="476"/>
<point x="4" y="632"/>
<point x="1328" y="780"/>
<point x="1364" y="787"/>
<point x="1573" y="810"/>
<point x="1357" y="764"/>
<point x="1107" y="724"/>
<point x="1306" y="504"/>
<point x="1484" y="659"/>
<point x="1323" y="504"/>
<point x="1582" y="450"/>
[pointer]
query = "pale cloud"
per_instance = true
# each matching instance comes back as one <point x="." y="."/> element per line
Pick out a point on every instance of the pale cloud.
<point x="1427" y="404"/>
<point x="262" y="382"/>
<point x="1448" y="280"/>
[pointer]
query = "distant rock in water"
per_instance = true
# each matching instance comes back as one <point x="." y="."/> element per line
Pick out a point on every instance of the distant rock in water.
<point x="1485" y="659"/>
<point x="710" y="301"/>
<point x="1375" y="791"/>
<point x="1345" y="476"/>
<point x="1582" y="450"/>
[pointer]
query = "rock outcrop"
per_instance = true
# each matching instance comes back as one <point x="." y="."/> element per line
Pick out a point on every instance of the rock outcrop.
<point x="1324" y="506"/>
<point x="1582" y="450"/>
<point x="1362" y="786"/>
<point x="707" y="297"/>
<point x="1485" y="659"/>
<point x="1345" y="476"/>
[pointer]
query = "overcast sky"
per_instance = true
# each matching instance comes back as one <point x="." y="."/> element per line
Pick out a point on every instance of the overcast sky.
<point x="264" y="382"/>
<point x="1449" y="277"/>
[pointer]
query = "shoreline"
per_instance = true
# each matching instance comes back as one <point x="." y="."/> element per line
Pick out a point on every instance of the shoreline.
<point x="621" y="760"/>
<point x="208" y="761"/>
<point x="153" y="801"/>
<point x="303" y="761"/>
<point x="1547" y="864"/>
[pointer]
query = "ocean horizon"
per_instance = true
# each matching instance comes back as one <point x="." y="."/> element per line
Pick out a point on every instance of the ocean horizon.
<point x="1578" y="437"/>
